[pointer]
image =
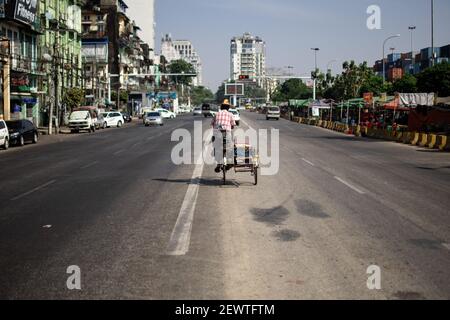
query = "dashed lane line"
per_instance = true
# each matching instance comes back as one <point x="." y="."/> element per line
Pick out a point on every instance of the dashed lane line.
<point x="349" y="185"/>
<point x="33" y="190"/>
<point x="181" y="235"/>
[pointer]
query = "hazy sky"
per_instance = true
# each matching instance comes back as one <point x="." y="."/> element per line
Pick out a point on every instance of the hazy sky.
<point x="292" y="27"/>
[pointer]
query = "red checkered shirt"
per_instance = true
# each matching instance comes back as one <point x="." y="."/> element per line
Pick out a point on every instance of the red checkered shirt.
<point x="224" y="120"/>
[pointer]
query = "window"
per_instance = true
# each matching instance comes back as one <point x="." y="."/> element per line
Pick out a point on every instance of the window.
<point x="2" y="125"/>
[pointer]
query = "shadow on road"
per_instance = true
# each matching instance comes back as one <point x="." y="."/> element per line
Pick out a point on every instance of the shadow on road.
<point x="208" y="183"/>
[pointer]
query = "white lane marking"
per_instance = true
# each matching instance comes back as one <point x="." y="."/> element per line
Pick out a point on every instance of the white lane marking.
<point x="244" y="122"/>
<point x="349" y="185"/>
<point x="48" y="226"/>
<point x="33" y="190"/>
<point x="181" y="235"/>
<point x="308" y="162"/>
<point x="446" y="245"/>
<point x="89" y="165"/>
<point x="119" y="152"/>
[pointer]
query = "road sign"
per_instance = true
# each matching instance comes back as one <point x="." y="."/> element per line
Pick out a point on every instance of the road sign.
<point x="234" y="89"/>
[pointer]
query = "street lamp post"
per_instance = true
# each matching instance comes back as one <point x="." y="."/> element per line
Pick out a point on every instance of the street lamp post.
<point x="315" y="57"/>
<point x="432" y="34"/>
<point x="315" y="72"/>
<point x="384" y="64"/>
<point x="411" y="68"/>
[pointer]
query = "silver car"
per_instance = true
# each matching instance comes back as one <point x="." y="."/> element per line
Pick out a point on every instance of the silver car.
<point x="153" y="118"/>
<point x="273" y="113"/>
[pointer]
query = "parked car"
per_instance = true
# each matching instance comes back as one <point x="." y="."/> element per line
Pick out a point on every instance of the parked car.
<point x="206" y="110"/>
<point x="273" y="113"/>
<point x="114" y="119"/>
<point x="236" y="116"/>
<point x="127" y="117"/>
<point x="22" y="131"/>
<point x="94" y="111"/>
<point x="198" y="111"/>
<point x="4" y="135"/>
<point x="166" y="114"/>
<point x="153" y="118"/>
<point x="101" y="122"/>
<point x="82" y="120"/>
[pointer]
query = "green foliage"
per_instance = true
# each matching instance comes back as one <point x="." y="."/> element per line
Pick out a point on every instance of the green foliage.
<point x="435" y="79"/>
<point x="123" y="96"/>
<point x="292" y="89"/>
<point x="200" y="94"/>
<point x="220" y="94"/>
<point x="74" y="97"/>
<point x="407" y="84"/>
<point x="181" y="66"/>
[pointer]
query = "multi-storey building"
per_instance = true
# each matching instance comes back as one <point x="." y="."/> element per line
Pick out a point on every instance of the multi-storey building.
<point x="19" y="28"/>
<point x="60" y="39"/>
<point x="146" y="22"/>
<point x="168" y="49"/>
<point x="188" y="53"/>
<point x="248" y="58"/>
<point x="106" y="25"/>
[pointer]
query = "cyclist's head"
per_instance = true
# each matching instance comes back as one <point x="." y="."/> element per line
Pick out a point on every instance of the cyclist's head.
<point x="225" y="105"/>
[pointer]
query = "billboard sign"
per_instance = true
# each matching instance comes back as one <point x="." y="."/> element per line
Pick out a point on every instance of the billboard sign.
<point x="234" y="89"/>
<point x="25" y="11"/>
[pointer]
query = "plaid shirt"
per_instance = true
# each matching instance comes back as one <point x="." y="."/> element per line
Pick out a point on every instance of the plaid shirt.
<point x="224" y="120"/>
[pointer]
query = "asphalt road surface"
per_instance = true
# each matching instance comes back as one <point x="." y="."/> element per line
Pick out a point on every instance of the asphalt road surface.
<point x="140" y="227"/>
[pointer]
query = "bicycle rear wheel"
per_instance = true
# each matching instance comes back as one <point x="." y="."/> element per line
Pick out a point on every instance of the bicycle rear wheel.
<point x="224" y="175"/>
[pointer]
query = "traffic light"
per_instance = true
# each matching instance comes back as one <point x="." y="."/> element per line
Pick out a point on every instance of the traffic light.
<point x="244" y="77"/>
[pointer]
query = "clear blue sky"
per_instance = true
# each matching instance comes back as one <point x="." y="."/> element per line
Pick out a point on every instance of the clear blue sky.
<point x="292" y="27"/>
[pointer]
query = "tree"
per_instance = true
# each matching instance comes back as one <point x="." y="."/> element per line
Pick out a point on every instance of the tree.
<point x="435" y="79"/>
<point x="74" y="97"/>
<point x="292" y="89"/>
<point x="200" y="95"/>
<point x="407" y="84"/>
<point x="220" y="94"/>
<point x="181" y="66"/>
<point x="375" y="85"/>
<point x="123" y="96"/>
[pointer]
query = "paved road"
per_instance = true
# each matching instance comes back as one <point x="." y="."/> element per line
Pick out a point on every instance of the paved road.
<point x="138" y="226"/>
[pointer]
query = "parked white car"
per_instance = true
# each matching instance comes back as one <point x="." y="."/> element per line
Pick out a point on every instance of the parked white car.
<point x="166" y="114"/>
<point x="4" y="135"/>
<point x="82" y="120"/>
<point x="113" y="119"/>
<point x="236" y="116"/>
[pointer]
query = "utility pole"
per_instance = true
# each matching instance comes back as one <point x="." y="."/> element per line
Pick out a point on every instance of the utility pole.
<point x="432" y="34"/>
<point x="412" y="28"/>
<point x="6" y="60"/>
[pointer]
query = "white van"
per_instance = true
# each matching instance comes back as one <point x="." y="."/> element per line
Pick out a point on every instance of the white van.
<point x="4" y="135"/>
<point x="82" y="120"/>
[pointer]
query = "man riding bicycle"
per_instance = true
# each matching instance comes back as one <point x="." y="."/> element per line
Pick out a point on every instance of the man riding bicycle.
<point x="224" y="122"/>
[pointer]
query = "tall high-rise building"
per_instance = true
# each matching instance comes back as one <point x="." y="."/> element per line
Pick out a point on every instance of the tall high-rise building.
<point x="187" y="52"/>
<point x="248" y="58"/>
<point x="143" y="12"/>
<point x="168" y="49"/>
<point x="182" y="49"/>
